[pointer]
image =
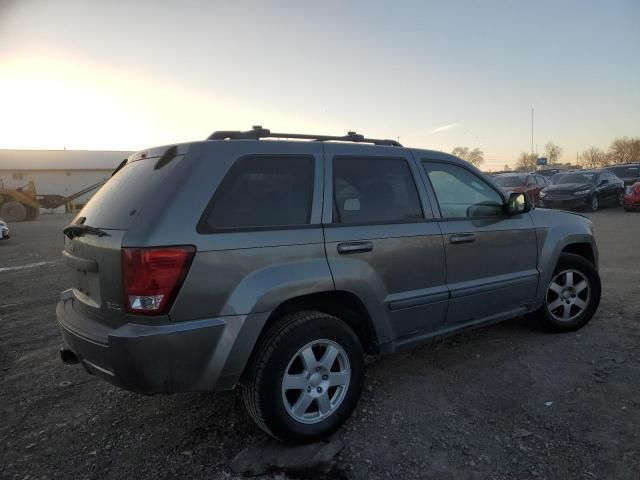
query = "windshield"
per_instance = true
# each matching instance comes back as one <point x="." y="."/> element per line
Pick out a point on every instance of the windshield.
<point x="627" y="171"/>
<point x="511" y="180"/>
<point x="565" y="178"/>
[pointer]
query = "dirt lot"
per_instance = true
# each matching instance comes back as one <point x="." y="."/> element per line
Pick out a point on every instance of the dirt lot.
<point x="507" y="401"/>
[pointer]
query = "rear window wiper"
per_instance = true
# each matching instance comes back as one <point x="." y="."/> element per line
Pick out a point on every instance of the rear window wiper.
<point x="75" y="230"/>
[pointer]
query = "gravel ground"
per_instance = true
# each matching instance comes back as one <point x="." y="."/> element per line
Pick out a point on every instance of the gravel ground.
<point x="508" y="401"/>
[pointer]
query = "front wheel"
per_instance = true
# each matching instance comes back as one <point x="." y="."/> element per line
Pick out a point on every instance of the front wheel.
<point x="594" y="205"/>
<point x="572" y="296"/>
<point x="620" y="198"/>
<point x="305" y="377"/>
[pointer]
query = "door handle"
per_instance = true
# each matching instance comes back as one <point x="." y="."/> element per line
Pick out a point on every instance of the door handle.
<point x="462" y="238"/>
<point x="355" y="247"/>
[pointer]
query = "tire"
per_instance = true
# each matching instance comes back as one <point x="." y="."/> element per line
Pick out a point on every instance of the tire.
<point x="32" y="213"/>
<point x="620" y="201"/>
<point x="594" y="204"/>
<point x="278" y="353"/>
<point x="555" y="304"/>
<point x="13" y="211"/>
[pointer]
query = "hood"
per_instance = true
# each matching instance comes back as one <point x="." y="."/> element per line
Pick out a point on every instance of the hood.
<point x="568" y="187"/>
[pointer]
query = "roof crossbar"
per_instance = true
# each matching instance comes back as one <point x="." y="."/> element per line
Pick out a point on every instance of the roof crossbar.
<point x="257" y="132"/>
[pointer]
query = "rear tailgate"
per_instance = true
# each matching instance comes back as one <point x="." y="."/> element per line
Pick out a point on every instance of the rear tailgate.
<point x="95" y="260"/>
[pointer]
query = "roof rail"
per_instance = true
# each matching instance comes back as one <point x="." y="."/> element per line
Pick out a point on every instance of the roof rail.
<point x="257" y="132"/>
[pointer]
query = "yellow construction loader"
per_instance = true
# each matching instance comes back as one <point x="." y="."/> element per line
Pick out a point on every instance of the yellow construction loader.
<point x="20" y="204"/>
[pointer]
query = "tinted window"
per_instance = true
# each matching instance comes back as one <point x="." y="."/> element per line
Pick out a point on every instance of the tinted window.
<point x="510" y="180"/>
<point x="374" y="190"/>
<point x="263" y="191"/>
<point x="541" y="181"/>
<point x="462" y="194"/>
<point x="632" y="171"/>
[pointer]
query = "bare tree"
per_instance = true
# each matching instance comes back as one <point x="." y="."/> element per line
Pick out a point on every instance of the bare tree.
<point x="475" y="156"/>
<point x="526" y="162"/>
<point x="553" y="151"/>
<point x="507" y="168"/>
<point x="625" y="150"/>
<point x="593" y="158"/>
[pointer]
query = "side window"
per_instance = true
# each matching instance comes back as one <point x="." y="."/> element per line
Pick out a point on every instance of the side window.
<point x="374" y="190"/>
<point x="262" y="191"/>
<point x="541" y="181"/>
<point x="462" y="194"/>
<point x="531" y="180"/>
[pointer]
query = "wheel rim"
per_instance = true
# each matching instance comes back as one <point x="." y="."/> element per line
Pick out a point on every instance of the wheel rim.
<point x="594" y="203"/>
<point x="568" y="295"/>
<point x="316" y="381"/>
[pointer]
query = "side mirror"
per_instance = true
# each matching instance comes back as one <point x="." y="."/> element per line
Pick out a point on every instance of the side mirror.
<point x="604" y="181"/>
<point x="518" y="203"/>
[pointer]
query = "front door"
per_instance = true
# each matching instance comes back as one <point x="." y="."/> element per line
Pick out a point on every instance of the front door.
<point x="382" y="241"/>
<point x="491" y="257"/>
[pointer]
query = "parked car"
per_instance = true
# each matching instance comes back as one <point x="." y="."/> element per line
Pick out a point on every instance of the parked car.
<point x="529" y="184"/>
<point x="276" y="265"/>
<point x="629" y="173"/>
<point x="4" y="230"/>
<point x="550" y="172"/>
<point x="632" y="197"/>
<point x="590" y="189"/>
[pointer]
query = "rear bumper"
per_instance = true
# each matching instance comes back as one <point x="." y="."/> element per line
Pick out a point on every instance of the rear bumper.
<point x="201" y="355"/>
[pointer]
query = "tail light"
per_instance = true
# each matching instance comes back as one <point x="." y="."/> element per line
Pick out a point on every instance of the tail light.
<point x="152" y="277"/>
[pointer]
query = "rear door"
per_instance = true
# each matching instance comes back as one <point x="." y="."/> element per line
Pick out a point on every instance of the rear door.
<point x="491" y="257"/>
<point x="382" y="241"/>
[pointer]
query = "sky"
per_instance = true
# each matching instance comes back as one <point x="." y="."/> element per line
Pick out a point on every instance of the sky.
<point x="128" y="75"/>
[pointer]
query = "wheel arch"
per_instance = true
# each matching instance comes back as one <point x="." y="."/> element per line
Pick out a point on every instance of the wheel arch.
<point x="583" y="249"/>
<point x="338" y="303"/>
<point x="578" y="244"/>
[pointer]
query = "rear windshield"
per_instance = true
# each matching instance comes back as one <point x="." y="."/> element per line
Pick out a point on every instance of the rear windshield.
<point x="511" y="180"/>
<point x="565" y="178"/>
<point x="114" y="206"/>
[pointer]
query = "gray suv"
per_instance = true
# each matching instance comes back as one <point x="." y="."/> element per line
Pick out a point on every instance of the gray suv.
<point x="277" y="265"/>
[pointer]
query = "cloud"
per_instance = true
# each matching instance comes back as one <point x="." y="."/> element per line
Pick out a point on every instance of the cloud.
<point x="444" y="128"/>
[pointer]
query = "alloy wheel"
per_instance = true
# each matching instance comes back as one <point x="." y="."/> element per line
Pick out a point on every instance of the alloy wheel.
<point x="316" y="381"/>
<point x="568" y="295"/>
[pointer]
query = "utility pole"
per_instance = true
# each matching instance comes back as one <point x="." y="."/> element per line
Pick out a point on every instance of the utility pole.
<point x="532" y="132"/>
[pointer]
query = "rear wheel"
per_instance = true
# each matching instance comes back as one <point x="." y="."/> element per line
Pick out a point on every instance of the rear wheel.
<point x="305" y="377"/>
<point x="32" y="213"/>
<point x="13" y="211"/>
<point x="572" y="296"/>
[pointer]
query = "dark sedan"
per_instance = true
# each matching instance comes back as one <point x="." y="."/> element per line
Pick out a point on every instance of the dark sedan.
<point x="629" y="173"/>
<point x="589" y="189"/>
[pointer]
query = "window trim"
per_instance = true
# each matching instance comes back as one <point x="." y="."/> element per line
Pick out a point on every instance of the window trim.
<point x="442" y="218"/>
<point x="334" y="208"/>
<point x="204" y="229"/>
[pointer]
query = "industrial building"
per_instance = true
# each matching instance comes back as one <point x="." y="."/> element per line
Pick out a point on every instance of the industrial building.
<point x="58" y="172"/>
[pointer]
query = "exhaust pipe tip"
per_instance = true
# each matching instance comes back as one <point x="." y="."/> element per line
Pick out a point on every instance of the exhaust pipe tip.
<point x="68" y="357"/>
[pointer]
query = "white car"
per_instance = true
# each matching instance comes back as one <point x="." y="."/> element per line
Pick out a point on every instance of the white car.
<point x="4" y="230"/>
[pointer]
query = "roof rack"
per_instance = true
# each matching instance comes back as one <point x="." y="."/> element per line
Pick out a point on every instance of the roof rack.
<point x="257" y="132"/>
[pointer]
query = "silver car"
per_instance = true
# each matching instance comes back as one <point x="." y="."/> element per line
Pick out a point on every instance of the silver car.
<point x="276" y="265"/>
